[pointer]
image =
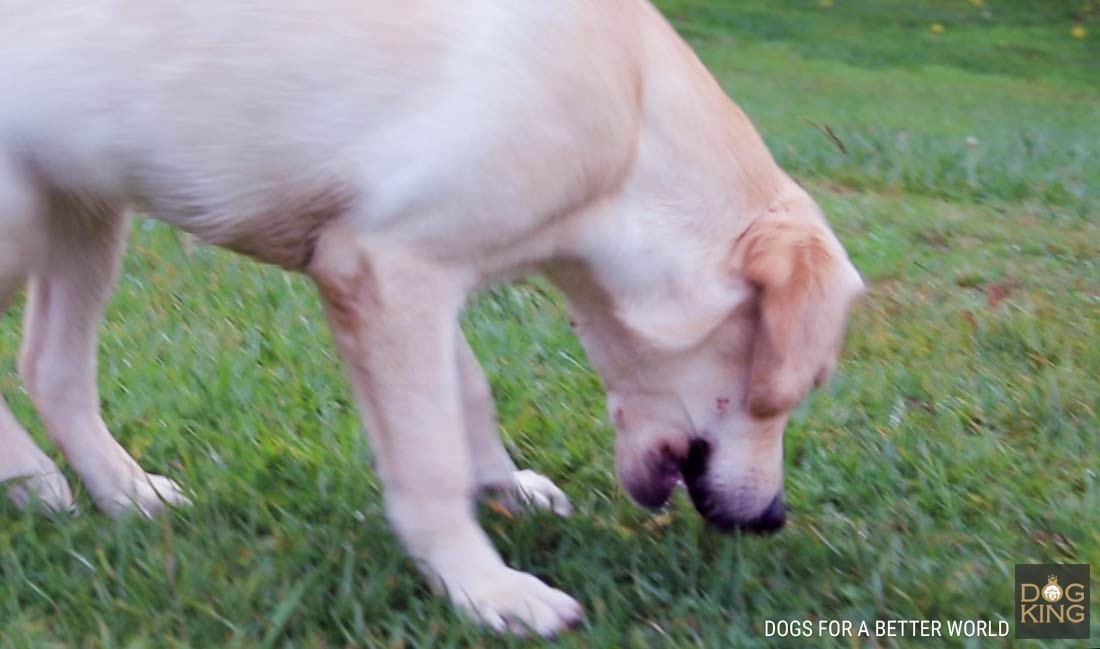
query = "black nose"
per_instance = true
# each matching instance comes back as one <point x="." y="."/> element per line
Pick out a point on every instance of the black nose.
<point x="695" y="464"/>
<point x="768" y="522"/>
<point x="714" y="509"/>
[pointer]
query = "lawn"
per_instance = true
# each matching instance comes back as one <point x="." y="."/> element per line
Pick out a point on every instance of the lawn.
<point x="955" y="145"/>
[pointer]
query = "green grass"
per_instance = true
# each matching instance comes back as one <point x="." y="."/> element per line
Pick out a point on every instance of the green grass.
<point x="959" y="437"/>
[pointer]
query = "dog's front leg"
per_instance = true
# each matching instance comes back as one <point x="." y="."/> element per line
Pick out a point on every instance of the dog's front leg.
<point x="395" y="319"/>
<point x="494" y="471"/>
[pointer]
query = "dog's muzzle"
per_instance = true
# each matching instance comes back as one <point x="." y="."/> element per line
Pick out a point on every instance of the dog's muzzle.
<point x="722" y="510"/>
<point x="664" y="471"/>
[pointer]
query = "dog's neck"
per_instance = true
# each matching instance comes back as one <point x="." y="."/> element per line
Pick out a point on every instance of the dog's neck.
<point x="642" y="267"/>
<point x="690" y="125"/>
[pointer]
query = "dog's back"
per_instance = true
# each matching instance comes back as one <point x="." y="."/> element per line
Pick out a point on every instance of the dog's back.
<point x="249" y="122"/>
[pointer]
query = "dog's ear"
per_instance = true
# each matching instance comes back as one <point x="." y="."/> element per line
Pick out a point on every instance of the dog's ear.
<point x="805" y="287"/>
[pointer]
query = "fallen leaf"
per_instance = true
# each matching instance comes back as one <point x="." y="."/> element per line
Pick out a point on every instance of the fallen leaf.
<point x="998" y="291"/>
<point x="500" y="508"/>
<point x="657" y="522"/>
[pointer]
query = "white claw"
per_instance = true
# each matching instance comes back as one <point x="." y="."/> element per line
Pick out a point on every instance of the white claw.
<point x="147" y="494"/>
<point x="539" y="492"/>
<point x="49" y="489"/>
<point x="518" y="603"/>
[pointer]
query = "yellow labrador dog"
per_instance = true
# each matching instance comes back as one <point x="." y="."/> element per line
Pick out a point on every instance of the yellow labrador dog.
<point x="402" y="154"/>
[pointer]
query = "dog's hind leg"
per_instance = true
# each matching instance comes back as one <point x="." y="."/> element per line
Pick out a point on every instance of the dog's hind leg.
<point x="26" y="473"/>
<point x="493" y="469"/>
<point x="69" y="287"/>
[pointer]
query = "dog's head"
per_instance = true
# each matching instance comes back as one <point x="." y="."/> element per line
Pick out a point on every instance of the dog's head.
<point x="705" y="371"/>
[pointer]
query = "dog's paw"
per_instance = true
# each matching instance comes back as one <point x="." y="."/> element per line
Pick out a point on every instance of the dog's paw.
<point x="146" y="494"/>
<point x="48" y="489"/>
<point x="518" y="603"/>
<point x="536" y="491"/>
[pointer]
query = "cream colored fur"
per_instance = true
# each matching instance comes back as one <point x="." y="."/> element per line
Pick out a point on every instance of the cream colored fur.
<point x="402" y="155"/>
